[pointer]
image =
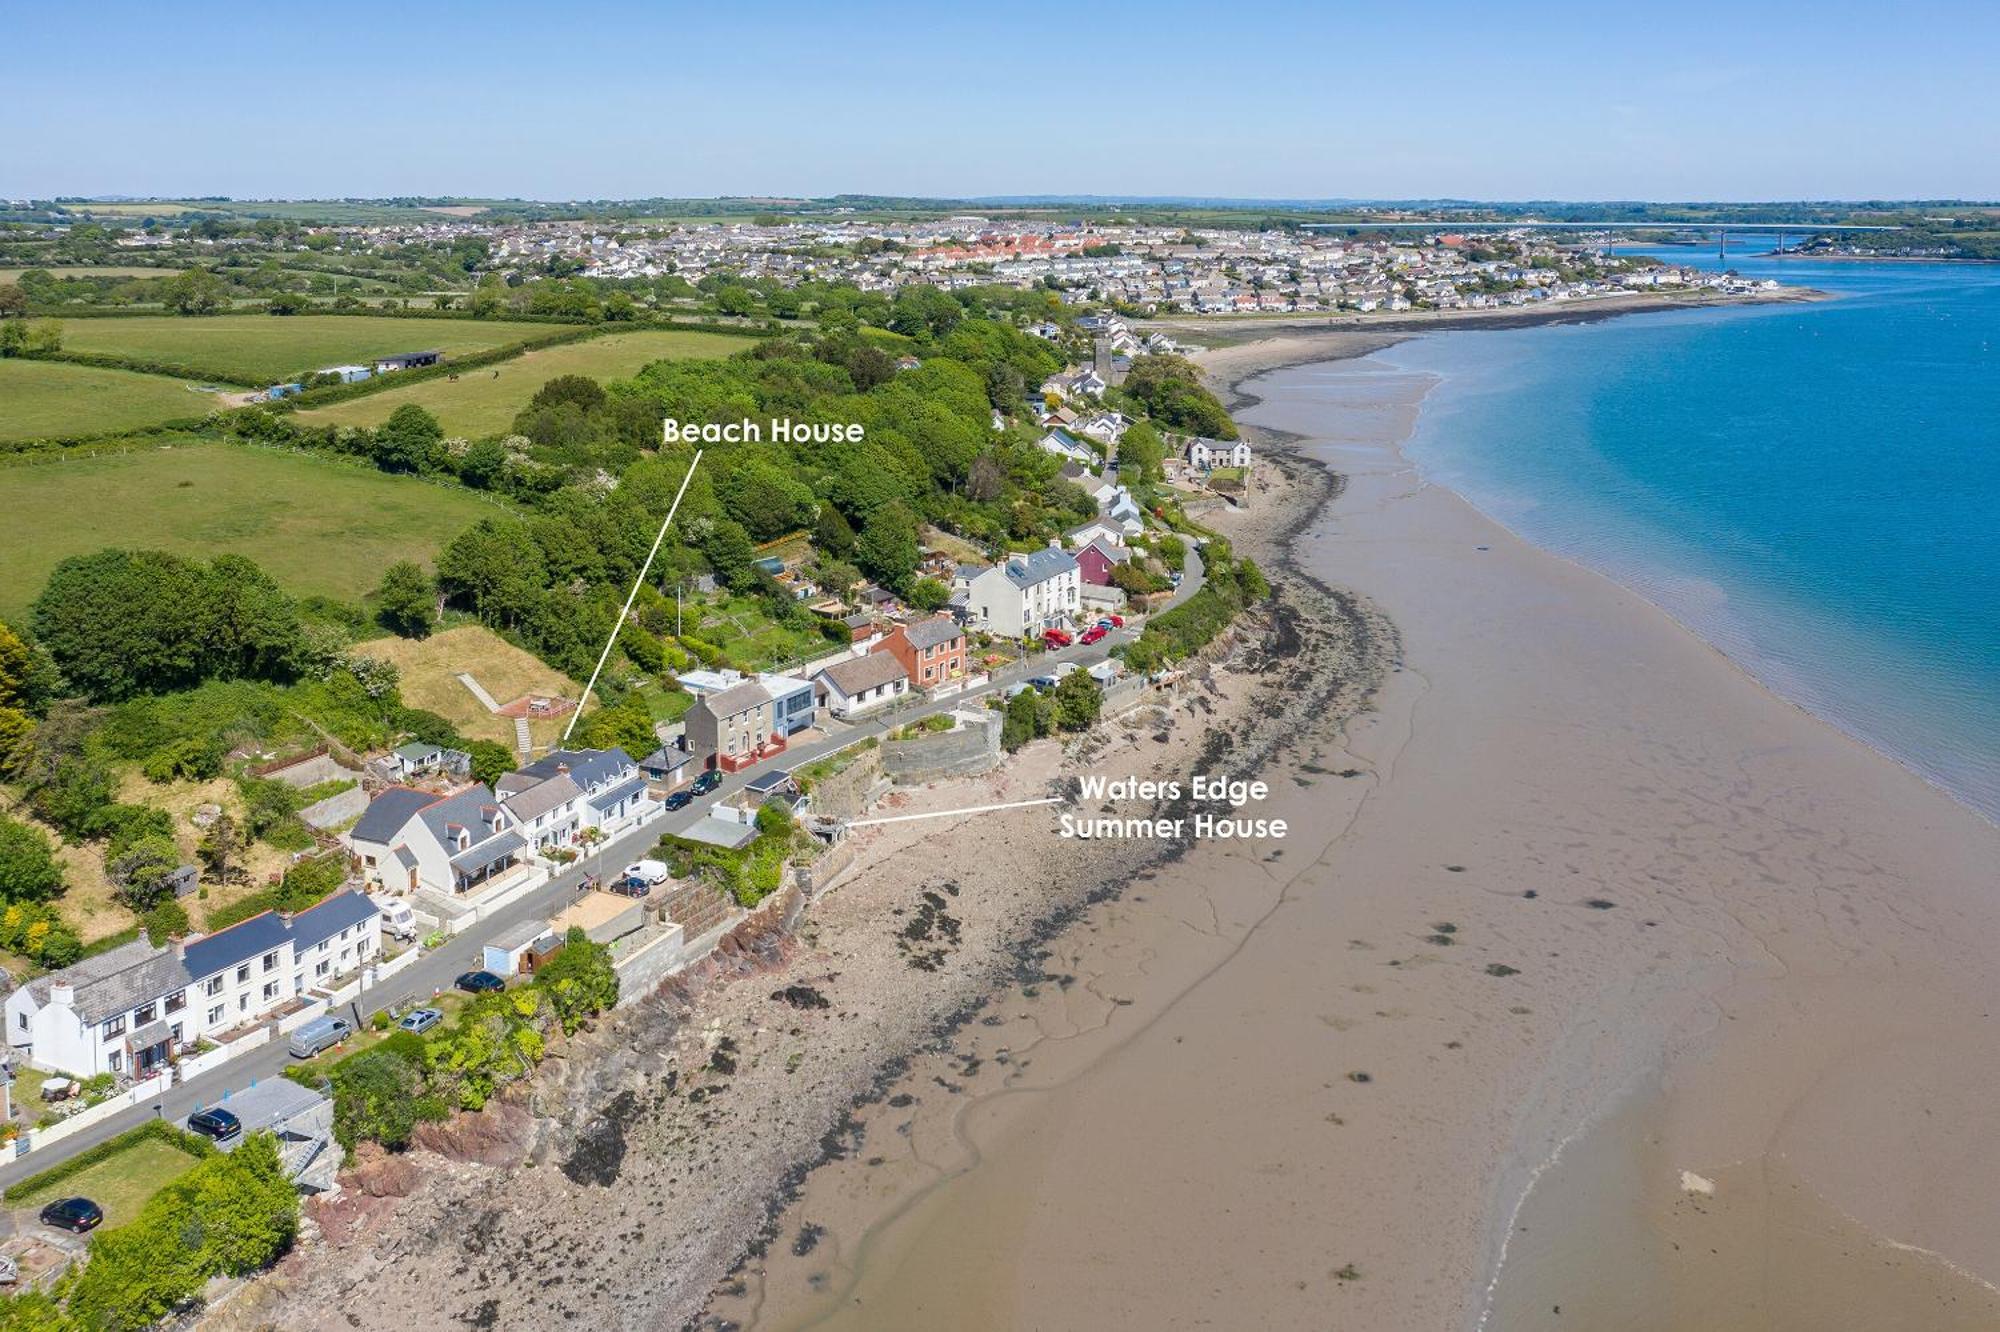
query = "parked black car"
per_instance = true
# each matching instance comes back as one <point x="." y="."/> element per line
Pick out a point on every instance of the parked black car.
<point x="218" y="1124"/>
<point x="705" y="783"/>
<point x="73" y="1214"/>
<point x="679" y="800"/>
<point x="480" y="982"/>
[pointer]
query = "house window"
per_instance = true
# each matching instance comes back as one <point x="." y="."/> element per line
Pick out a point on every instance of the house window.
<point x="178" y="1037"/>
<point x="242" y="1003"/>
<point x="22" y="1018"/>
<point x="270" y="989"/>
<point x="243" y="974"/>
<point x="270" y="961"/>
<point x="117" y="1061"/>
<point x="177" y="1001"/>
<point x="145" y="1014"/>
<point x="115" y="1027"/>
<point x="214" y="986"/>
<point x="322" y="968"/>
<point x="215" y="1015"/>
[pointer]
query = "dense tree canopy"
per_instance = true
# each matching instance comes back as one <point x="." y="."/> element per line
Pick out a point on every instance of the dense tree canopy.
<point x="120" y="623"/>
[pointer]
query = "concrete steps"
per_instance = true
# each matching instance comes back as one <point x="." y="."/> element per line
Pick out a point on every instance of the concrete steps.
<point x="524" y="744"/>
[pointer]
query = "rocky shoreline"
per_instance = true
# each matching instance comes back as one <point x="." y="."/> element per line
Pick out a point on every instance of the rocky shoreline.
<point x="650" y="1159"/>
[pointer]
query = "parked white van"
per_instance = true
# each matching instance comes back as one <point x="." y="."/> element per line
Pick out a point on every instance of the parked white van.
<point x="647" y="871"/>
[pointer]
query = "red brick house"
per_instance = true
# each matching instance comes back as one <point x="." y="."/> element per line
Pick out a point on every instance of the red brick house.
<point x="932" y="651"/>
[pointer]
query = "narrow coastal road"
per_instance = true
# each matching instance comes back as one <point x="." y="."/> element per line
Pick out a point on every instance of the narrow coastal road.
<point x="437" y="969"/>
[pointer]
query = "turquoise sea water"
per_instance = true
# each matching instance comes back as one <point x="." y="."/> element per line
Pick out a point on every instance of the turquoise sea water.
<point x="1813" y="488"/>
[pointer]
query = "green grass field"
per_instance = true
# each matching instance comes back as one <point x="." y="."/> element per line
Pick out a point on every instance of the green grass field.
<point x="316" y="526"/>
<point x="48" y="399"/>
<point x="93" y="270"/>
<point x="485" y="401"/>
<point x="262" y="349"/>
<point x="121" y="1183"/>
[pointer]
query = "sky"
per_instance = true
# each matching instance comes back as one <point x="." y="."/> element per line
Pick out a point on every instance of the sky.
<point x="1249" y="99"/>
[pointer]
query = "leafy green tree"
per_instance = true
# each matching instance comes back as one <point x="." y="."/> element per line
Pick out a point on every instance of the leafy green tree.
<point x="166" y="920"/>
<point x="887" y="549"/>
<point x="144" y="870"/>
<point x="481" y="464"/>
<point x="120" y="623"/>
<point x="625" y="724"/>
<point x="832" y="534"/>
<point x="17" y="741"/>
<point x="928" y="594"/>
<point x="29" y="871"/>
<point x="579" y="981"/>
<point x="1022" y="723"/>
<point x="495" y="567"/>
<point x="1141" y="454"/>
<point x="407" y="441"/>
<point x="195" y="292"/>
<point x="1077" y="701"/>
<point x="375" y="1095"/>
<point x="405" y="600"/>
<point x="492" y="760"/>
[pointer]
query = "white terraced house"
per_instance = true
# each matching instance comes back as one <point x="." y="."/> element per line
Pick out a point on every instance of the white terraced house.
<point x="1027" y="594"/>
<point x="129" y="1011"/>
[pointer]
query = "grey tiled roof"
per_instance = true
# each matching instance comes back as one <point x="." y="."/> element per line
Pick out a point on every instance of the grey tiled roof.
<point x="388" y="812"/>
<point x="542" y="797"/>
<point x="237" y="944"/>
<point x="861" y="673"/>
<point x="740" y="698"/>
<point x="330" y="917"/>
<point x="490" y="851"/>
<point x="1038" y="566"/>
<point x="931" y="632"/>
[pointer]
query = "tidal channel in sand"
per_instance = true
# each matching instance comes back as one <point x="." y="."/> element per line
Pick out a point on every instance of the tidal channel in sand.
<point x="1578" y="921"/>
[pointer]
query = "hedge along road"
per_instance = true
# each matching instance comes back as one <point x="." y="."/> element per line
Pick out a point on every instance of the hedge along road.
<point x="439" y="968"/>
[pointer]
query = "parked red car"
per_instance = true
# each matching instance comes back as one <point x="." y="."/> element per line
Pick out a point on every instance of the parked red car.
<point x="1092" y="634"/>
<point x="1115" y="621"/>
<point x="1057" y="638"/>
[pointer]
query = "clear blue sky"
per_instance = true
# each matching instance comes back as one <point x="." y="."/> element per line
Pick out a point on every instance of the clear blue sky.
<point x="1248" y="99"/>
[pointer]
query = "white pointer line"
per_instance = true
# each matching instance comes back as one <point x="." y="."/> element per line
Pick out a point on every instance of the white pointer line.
<point x="947" y="813"/>
<point x="630" y="597"/>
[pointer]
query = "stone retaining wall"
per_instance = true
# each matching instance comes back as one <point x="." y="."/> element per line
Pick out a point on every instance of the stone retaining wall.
<point x="970" y="748"/>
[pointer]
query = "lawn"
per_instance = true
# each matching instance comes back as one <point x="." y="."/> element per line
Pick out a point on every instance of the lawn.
<point x="263" y="349"/>
<point x="750" y="639"/>
<point x="429" y="679"/>
<point x="316" y="525"/>
<point x="93" y="270"/>
<point x="48" y="399"/>
<point x="485" y="401"/>
<point x="121" y="1184"/>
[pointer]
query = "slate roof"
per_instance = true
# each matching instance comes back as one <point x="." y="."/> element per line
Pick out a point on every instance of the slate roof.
<point x="388" y="812"/>
<point x="586" y="766"/>
<point x="1039" y="566"/>
<point x="118" y="980"/>
<point x="542" y="797"/>
<point x="239" y="943"/>
<point x="858" y="674"/>
<point x="466" y="810"/>
<point x="622" y="791"/>
<point x="666" y="760"/>
<point x="330" y="917"/>
<point x="736" y="699"/>
<point x="493" y="849"/>
<point x="931" y="632"/>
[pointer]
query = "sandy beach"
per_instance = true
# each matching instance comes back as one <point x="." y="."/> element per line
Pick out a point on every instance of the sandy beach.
<point x="1591" y="985"/>
<point x="1596" y="986"/>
